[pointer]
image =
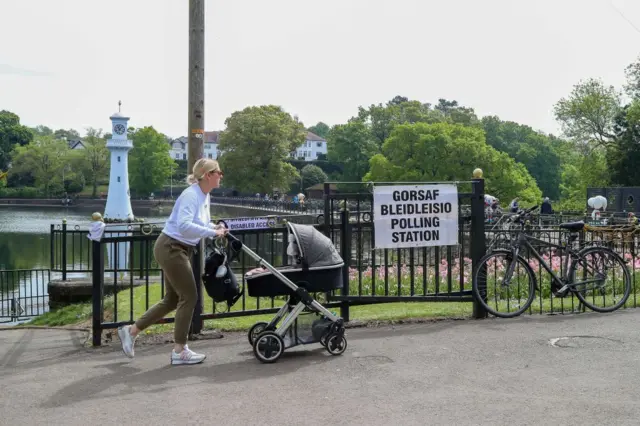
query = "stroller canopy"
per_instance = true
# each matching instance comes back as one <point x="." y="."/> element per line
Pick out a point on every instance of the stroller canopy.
<point x="315" y="247"/>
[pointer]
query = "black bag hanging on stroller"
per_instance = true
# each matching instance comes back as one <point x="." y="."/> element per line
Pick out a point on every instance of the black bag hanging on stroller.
<point x="219" y="280"/>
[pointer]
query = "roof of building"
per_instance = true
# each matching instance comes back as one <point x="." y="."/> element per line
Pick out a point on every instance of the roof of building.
<point x="118" y="115"/>
<point x="313" y="137"/>
<point x="211" y="137"/>
<point x="214" y="136"/>
<point x="73" y="143"/>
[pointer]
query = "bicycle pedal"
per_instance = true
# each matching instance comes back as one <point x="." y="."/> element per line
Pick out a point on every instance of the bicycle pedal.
<point x="561" y="292"/>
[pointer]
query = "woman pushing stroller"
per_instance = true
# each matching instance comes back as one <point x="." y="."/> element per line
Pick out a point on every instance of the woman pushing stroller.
<point x="190" y="220"/>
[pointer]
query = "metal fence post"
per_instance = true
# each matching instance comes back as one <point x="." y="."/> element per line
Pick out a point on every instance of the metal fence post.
<point x="196" y="266"/>
<point x="478" y="243"/>
<point x="327" y="210"/>
<point x="144" y="257"/>
<point x="64" y="249"/>
<point x="345" y="252"/>
<point x="97" y="290"/>
<point x="52" y="247"/>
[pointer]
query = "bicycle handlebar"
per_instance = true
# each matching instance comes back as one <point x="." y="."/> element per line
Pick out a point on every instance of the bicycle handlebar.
<point x="523" y="213"/>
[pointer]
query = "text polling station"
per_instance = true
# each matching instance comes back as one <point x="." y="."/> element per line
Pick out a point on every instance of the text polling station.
<point x="415" y="215"/>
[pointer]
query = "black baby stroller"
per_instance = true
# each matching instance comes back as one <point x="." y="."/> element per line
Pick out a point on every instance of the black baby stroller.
<point x="315" y="266"/>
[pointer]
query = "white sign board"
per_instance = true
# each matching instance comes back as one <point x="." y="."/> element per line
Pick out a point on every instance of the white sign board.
<point x="415" y="215"/>
<point x="250" y="223"/>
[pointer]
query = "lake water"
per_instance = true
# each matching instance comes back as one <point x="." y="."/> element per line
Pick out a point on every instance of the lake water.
<point x="25" y="245"/>
<point x="25" y="232"/>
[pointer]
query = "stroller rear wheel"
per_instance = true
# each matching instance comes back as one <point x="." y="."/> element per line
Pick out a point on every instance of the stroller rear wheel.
<point x="336" y="343"/>
<point x="254" y="331"/>
<point x="268" y="347"/>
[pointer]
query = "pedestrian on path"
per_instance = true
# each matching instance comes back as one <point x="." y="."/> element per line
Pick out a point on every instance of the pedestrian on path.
<point x="514" y="207"/>
<point x="190" y="220"/>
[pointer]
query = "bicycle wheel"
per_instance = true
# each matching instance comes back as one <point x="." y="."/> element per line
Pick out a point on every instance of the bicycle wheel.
<point x="606" y="279"/>
<point x="500" y="300"/>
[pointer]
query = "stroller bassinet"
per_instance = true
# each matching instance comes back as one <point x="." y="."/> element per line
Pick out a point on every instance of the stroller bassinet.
<point x="316" y="266"/>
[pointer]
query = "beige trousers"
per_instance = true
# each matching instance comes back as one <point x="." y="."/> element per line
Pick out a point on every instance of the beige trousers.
<point x="181" y="294"/>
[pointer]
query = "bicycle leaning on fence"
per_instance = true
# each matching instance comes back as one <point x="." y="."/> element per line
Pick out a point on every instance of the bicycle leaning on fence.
<point x="596" y="275"/>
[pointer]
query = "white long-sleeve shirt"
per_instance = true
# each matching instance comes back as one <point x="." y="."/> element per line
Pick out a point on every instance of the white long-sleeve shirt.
<point x="191" y="217"/>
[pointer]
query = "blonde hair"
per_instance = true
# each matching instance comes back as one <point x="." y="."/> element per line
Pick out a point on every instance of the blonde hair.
<point x="201" y="168"/>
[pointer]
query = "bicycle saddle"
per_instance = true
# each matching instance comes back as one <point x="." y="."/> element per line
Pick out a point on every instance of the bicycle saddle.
<point x="573" y="226"/>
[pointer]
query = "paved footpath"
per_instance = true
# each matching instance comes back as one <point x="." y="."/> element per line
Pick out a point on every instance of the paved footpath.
<point x="523" y="371"/>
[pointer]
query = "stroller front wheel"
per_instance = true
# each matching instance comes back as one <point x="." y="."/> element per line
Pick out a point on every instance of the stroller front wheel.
<point x="268" y="347"/>
<point x="336" y="344"/>
<point x="254" y="331"/>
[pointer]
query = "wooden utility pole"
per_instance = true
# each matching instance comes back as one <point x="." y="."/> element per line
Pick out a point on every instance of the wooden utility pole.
<point x="196" y="129"/>
<point x="196" y="82"/>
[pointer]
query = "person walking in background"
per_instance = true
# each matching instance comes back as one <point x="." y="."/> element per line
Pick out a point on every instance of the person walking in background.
<point x="190" y="220"/>
<point x="513" y="207"/>
<point x="546" y="208"/>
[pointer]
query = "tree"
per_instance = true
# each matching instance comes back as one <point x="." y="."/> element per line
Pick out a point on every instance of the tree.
<point x="457" y="114"/>
<point x="45" y="159"/>
<point x="320" y="129"/>
<point x="94" y="159"/>
<point x="66" y="134"/>
<point x="312" y="175"/>
<point x="633" y="113"/>
<point x="351" y="145"/>
<point x="11" y="133"/>
<point x="624" y="157"/>
<point x="450" y="152"/>
<point x="255" y="147"/>
<point x="633" y="79"/>
<point x="584" y="168"/>
<point x="42" y="131"/>
<point x="536" y="151"/>
<point x="150" y="163"/>
<point x="589" y="112"/>
<point x="381" y="119"/>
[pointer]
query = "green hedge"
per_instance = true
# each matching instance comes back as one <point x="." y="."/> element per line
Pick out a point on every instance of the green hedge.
<point x="24" y="192"/>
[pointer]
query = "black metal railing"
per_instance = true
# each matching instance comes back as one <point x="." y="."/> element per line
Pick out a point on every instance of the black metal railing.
<point x="623" y="243"/>
<point x="119" y="297"/>
<point x="440" y="273"/>
<point x="23" y="293"/>
<point x="428" y="274"/>
<point x="309" y="206"/>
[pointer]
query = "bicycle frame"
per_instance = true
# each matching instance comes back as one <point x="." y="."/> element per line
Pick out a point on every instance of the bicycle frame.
<point x="524" y="239"/>
<point x="563" y="281"/>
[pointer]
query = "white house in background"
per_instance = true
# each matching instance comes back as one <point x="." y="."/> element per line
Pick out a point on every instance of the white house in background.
<point x="312" y="146"/>
<point x="179" y="149"/>
<point x="309" y="150"/>
<point x="73" y="143"/>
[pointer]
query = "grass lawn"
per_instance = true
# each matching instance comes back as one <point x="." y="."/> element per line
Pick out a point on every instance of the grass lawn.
<point x="87" y="191"/>
<point x="80" y="314"/>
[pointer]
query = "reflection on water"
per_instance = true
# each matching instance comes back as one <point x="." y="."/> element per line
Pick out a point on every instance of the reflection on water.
<point x="25" y="232"/>
<point x="25" y="245"/>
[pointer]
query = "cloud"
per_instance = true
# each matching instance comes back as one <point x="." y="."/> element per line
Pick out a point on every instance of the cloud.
<point x="6" y="69"/>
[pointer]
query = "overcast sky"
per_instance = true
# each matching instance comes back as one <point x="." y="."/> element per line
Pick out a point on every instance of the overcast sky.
<point x="66" y="63"/>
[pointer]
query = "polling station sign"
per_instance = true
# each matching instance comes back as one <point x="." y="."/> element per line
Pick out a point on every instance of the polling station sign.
<point x="415" y="215"/>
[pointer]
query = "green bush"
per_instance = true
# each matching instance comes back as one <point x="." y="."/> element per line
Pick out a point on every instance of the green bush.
<point x="24" y="192"/>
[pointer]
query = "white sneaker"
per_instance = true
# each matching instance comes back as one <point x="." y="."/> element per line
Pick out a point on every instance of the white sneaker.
<point x="128" y="341"/>
<point x="187" y="356"/>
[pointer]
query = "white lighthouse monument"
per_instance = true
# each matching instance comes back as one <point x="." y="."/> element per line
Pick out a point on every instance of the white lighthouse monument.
<point x="118" y="206"/>
<point x="118" y="198"/>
